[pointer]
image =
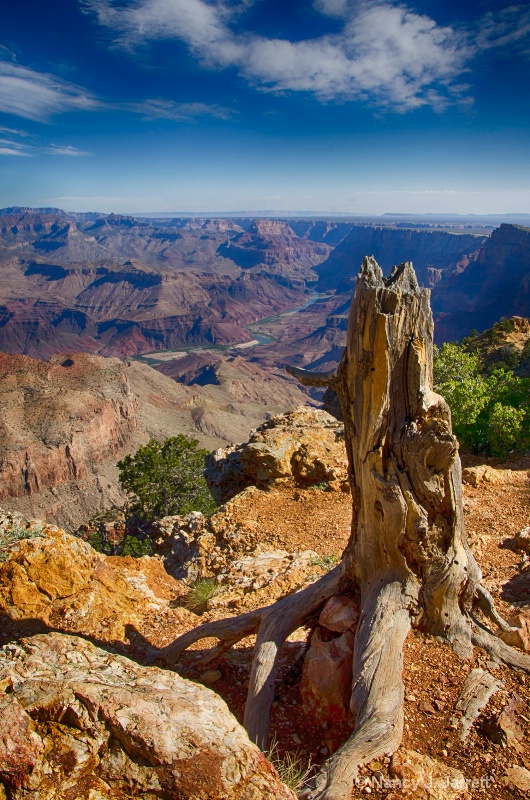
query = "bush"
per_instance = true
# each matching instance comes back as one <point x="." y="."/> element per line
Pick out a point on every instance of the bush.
<point x="505" y="429"/>
<point x="166" y="478"/>
<point x="490" y="412"/>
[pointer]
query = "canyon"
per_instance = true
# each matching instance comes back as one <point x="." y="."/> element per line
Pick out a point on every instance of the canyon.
<point x="117" y="329"/>
<point x="64" y="423"/>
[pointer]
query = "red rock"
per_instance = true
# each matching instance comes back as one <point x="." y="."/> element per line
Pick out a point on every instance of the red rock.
<point x="339" y="614"/>
<point x="325" y="687"/>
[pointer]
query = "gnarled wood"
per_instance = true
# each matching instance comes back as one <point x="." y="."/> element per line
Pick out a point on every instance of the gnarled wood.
<point x="407" y="552"/>
<point x="273" y="624"/>
<point x="308" y="378"/>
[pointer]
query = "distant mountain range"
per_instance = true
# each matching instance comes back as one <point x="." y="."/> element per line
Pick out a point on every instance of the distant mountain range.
<point x="218" y="306"/>
<point x="122" y="286"/>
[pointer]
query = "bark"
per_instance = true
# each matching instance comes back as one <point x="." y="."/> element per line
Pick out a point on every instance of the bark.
<point x="407" y="552"/>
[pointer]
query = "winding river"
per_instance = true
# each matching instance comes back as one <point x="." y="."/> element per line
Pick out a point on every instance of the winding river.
<point x="159" y="356"/>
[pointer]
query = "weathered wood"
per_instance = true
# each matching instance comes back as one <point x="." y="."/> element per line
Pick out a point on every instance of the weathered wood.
<point x="478" y="687"/>
<point x="308" y="378"/>
<point x="407" y="552"/>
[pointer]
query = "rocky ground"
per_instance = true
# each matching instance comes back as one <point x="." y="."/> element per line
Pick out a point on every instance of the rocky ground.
<point x="262" y="544"/>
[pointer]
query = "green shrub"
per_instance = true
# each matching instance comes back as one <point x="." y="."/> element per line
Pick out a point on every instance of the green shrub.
<point x="505" y="429"/>
<point x="490" y="411"/>
<point x="166" y="478"/>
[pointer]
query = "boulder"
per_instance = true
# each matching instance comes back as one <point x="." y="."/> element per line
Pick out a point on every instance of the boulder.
<point x="522" y="541"/>
<point x="518" y="777"/>
<point x="305" y="446"/>
<point x="484" y="474"/>
<point x="55" y="580"/>
<point x="424" y="778"/>
<point x="80" y="722"/>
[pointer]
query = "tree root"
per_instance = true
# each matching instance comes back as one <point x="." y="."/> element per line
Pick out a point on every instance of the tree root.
<point x="377" y="695"/>
<point x="499" y="650"/>
<point x="487" y="606"/>
<point x="273" y="624"/>
<point x="377" y="692"/>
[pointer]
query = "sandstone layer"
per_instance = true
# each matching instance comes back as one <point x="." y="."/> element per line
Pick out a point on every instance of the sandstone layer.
<point x="305" y="446"/>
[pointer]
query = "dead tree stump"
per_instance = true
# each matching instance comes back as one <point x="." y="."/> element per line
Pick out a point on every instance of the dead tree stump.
<point x="407" y="552"/>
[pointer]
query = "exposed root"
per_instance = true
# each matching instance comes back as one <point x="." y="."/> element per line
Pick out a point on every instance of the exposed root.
<point x="273" y="624"/>
<point x="498" y="650"/>
<point x="478" y="687"/>
<point x="377" y="694"/>
<point x="228" y="631"/>
<point x="487" y="606"/>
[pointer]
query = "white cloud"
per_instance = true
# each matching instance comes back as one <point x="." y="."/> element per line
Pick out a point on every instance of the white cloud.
<point x="169" y="109"/>
<point x="38" y="95"/>
<point x="508" y="27"/>
<point x="385" y="53"/>
<point x="23" y="144"/>
<point x="11" y="151"/>
<point x="64" y="150"/>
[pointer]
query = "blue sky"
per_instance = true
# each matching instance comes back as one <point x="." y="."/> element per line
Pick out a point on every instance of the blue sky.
<point x="360" y="106"/>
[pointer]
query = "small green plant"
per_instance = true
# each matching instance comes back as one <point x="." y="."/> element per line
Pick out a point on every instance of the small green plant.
<point x="166" y="478"/>
<point x="292" y="768"/>
<point x="16" y="533"/>
<point x="323" y="486"/>
<point x="324" y="561"/>
<point x="202" y="590"/>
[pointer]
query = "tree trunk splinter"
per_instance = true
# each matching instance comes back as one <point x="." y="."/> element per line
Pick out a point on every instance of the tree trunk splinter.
<point x="407" y="551"/>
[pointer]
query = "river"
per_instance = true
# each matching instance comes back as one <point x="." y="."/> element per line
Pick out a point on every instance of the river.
<point x="160" y="356"/>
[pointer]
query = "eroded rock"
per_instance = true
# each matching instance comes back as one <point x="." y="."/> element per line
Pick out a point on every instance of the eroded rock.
<point x="95" y="725"/>
<point x="56" y="580"/>
<point x="305" y="446"/>
<point x="339" y="614"/>
<point x="424" y="778"/>
<point x="519" y="777"/>
<point x="522" y="540"/>
<point x="484" y="474"/>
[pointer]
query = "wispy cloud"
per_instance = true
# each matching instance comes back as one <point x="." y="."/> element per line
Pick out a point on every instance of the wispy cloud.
<point x="39" y="95"/>
<point x="509" y="27"/>
<point x="21" y="143"/>
<point x="169" y="109"/>
<point x="385" y="52"/>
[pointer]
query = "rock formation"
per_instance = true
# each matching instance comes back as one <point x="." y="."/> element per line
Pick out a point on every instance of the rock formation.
<point x="305" y="446"/>
<point x="55" y="581"/>
<point x="495" y="284"/>
<point x="65" y="423"/>
<point x="77" y="721"/>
